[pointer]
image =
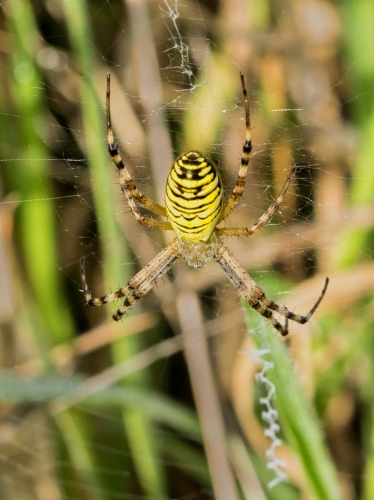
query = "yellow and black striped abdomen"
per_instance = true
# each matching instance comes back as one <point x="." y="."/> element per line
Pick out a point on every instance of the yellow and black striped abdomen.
<point x="194" y="196"/>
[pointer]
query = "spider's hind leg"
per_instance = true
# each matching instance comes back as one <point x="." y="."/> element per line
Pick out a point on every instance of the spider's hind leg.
<point x="255" y="296"/>
<point x="139" y="293"/>
<point x="298" y="318"/>
<point x="140" y="284"/>
<point x="100" y="301"/>
<point x="268" y="314"/>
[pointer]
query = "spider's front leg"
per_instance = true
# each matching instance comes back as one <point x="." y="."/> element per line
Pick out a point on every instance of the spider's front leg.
<point x="140" y="284"/>
<point x="127" y="184"/>
<point x="244" y="162"/>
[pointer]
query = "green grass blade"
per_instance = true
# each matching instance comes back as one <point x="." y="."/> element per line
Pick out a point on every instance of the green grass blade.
<point x="52" y="387"/>
<point x="359" y="42"/>
<point x="138" y="427"/>
<point x="77" y="441"/>
<point x="298" y="420"/>
<point x="30" y="177"/>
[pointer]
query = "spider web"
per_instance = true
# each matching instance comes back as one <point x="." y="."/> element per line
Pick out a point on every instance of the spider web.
<point x="175" y="86"/>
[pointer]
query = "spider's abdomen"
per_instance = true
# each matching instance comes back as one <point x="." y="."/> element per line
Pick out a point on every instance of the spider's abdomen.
<point x="194" y="196"/>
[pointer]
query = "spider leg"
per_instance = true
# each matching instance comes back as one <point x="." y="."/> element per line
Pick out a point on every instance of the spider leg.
<point x="148" y="283"/>
<point x="255" y="296"/>
<point x="268" y="314"/>
<point x="298" y="318"/>
<point x="247" y="231"/>
<point x="246" y="154"/>
<point x="127" y="184"/>
<point x="140" y="284"/>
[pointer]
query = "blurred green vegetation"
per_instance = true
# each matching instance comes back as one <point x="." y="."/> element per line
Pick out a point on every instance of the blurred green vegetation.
<point x="92" y="409"/>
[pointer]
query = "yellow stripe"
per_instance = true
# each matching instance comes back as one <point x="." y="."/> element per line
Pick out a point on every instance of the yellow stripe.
<point x="194" y="197"/>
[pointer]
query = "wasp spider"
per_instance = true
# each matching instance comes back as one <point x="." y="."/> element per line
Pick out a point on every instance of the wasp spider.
<point x="194" y="209"/>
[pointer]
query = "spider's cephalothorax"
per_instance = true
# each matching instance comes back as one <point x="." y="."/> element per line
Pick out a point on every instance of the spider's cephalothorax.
<point x="194" y="208"/>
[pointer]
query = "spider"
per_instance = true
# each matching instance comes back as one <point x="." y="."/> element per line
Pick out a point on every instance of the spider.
<point x="194" y="209"/>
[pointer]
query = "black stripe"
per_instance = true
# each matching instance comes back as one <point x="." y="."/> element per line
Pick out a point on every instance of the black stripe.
<point x="194" y="216"/>
<point x="190" y="209"/>
<point x="196" y="196"/>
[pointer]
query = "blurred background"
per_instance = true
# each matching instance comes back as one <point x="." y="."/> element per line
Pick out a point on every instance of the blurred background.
<point x="165" y="404"/>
